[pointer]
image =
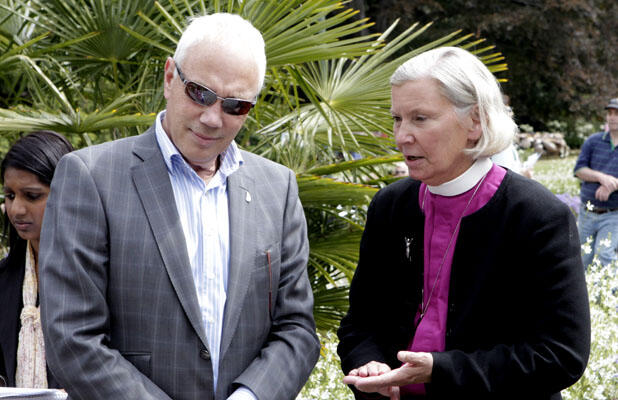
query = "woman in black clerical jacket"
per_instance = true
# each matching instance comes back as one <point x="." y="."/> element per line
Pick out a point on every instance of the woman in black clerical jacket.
<point x="470" y="283"/>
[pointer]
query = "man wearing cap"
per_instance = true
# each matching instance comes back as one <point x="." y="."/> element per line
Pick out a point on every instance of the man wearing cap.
<point x="597" y="167"/>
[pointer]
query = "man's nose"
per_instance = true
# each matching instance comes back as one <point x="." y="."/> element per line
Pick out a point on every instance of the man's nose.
<point x="212" y="116"/>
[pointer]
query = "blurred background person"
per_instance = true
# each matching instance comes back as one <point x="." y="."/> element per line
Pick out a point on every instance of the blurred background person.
<point x="400" y="169"/>
<point x="469" y="283"/>
<point x="597" y="167"/>
<point x="509" y="157"/>
<point x="26" y="173"/>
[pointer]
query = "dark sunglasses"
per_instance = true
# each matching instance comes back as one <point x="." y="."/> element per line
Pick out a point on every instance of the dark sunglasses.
<point x="206" y="97"/>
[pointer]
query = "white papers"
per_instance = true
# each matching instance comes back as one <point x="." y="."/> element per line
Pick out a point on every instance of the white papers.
<point x="531" y="160"/>
<point x="32" y="394"/>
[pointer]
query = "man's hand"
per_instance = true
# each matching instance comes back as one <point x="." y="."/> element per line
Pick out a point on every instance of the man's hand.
<point x="602" y="193"/>
<point x="380" y="378"/>
<point x="372" y="369"/>
<point x="609" y="182"/>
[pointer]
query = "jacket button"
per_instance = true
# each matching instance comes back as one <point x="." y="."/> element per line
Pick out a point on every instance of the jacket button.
<point x="204" y="354"/>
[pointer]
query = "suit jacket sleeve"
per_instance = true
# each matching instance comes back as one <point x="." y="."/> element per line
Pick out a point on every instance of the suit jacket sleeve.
<point x="74" y="260"/>
<point x="288" y="356"/>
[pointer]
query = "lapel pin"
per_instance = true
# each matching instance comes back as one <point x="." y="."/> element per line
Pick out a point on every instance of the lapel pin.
<point x="248" y="197"/>
<point x="408" y="242"/>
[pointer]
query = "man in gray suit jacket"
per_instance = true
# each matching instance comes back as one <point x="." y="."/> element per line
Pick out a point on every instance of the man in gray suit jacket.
<point x="173" y="265"/>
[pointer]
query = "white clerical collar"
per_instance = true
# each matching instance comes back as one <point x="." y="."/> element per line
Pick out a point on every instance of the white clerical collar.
<point x="465" y="181"/>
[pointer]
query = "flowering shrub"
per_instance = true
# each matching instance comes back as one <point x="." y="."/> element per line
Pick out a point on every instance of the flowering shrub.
<point x="600" y="381"/>
<point x="326" y="380"/>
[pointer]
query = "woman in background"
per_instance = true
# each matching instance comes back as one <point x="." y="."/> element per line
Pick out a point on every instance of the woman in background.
<point x="26" y="173"/>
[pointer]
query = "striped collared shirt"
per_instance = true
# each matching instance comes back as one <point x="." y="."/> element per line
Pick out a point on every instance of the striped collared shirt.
<point x="599" y="153"/>
<point x="203" y="211"/>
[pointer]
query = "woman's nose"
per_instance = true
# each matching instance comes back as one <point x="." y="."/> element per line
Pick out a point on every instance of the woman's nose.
<point x="403" y="135"/>
<point x="17" y="208"/>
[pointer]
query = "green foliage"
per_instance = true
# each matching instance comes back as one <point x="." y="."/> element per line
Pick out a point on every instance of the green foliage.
<point x="575" y="130"/>
<point x="326" y="380"/>
<point x="563" y="58"/>
<point x="92" y="70"/>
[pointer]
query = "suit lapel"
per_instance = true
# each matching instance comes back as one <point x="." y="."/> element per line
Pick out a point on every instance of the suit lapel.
<point x="241" y="199"/>
<point x="155" y="191"/>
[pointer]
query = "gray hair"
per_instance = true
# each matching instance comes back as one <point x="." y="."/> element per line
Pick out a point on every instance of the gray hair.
<point x="228" y="31"/>
<point x="466" y="82"/>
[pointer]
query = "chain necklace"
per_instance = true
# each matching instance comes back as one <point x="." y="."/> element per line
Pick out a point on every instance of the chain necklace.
<point x="425" y="307"/>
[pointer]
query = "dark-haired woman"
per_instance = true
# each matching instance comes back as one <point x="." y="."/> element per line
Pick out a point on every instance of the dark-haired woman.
<point x="26" y="173"/>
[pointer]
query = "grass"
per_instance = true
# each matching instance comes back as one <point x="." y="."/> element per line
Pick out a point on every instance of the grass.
<point x="556" y="174"/>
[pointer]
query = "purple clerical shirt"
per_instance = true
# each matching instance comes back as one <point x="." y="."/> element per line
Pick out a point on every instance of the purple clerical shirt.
<point x="442" y="214"/>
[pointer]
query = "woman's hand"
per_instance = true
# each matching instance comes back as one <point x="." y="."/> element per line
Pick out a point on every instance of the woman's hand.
<point x="372" y="369"/>
<point x="381" y="379"/>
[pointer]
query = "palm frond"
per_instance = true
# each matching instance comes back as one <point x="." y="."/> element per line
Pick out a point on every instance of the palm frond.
<point x="348" y="165"/>
<point x="294" y="31"/>
<point x="316" y="191"/>
<point x="109" y="117"/>
<point x="330" y="305"/>
<point x="92" y="69"/>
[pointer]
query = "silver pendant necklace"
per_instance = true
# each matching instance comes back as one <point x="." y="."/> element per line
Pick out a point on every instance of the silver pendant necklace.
<point x="425" y="306"/>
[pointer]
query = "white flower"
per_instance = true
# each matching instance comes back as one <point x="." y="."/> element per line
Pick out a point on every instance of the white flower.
<point x="605" y="242"/>
<point x="589" y="206"/>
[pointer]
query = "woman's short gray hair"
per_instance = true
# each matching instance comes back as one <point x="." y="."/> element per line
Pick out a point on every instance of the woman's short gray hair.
<point x="466" y="82"/>
<point x="228" y="31"/>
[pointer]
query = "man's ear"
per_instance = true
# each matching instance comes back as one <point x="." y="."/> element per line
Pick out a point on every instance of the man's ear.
<point x="475" y="131"/>
<point x="168" y="76"/>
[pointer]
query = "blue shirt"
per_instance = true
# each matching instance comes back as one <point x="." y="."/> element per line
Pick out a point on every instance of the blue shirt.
<point x="600" y="154"/>
<point x="203" y="211"/>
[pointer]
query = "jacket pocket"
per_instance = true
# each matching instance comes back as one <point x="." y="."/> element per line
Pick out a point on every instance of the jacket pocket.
<point x="141" y="361"/>
<point x="272" y="269"/>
